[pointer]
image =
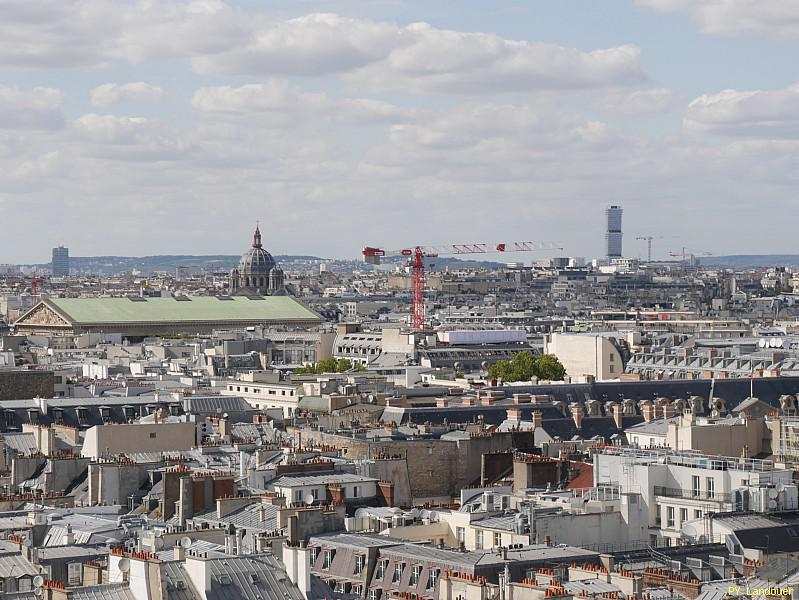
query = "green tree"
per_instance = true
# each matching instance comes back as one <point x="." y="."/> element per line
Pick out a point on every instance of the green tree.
<point x="547" y="366"/>
<point x="522" y="366"/>
<point x="329" y="365"/>
<point x="499" y="370"/>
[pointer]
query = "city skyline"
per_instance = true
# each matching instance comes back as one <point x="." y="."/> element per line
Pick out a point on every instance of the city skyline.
<point x="174" y="126"/>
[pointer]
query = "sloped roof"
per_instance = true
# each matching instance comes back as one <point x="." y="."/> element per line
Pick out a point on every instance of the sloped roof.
<point x="88" y="311"/>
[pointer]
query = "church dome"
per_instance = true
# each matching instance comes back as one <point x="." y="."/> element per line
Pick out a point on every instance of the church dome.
<point x="256" y="261"/>
<point x="258" y="272"/>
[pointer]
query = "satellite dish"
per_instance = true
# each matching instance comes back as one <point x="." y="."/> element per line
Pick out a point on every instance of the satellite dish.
<point x="772" y="504"/>
<point x="185" y="541"/>
<point x="762" y="343"/>
<point x="361" y="513"/>
<point x="371" y="398"/>
<point x="159" y="543"/>
<point x="772" y="493"/>
<point x="779" y="342"/>
<point x="27" y="543"/>
<point x="309" y="499"/>
<point x="124" y="565"/>
<point x="38" y="591"/>
<point x="38" y="581"/>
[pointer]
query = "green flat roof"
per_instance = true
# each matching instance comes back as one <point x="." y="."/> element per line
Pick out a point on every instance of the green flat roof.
<point x="201" y="308"/>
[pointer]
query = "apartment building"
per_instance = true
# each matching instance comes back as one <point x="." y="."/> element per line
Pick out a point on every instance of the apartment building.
<point x="677" y="487"/>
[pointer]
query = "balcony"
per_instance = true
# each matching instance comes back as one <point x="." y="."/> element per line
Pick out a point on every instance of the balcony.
<point x="701" y="495"/>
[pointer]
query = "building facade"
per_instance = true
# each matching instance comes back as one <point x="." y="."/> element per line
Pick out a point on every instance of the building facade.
<point x="60" y="262"/>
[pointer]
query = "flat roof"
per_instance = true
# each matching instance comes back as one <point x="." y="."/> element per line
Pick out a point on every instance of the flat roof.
<point x="201" y="308"/>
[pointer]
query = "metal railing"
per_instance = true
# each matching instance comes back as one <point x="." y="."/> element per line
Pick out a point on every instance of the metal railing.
<point x="703" y="495"/>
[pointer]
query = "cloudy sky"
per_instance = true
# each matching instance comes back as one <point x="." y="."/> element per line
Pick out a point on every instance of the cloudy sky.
<point x="171" y="126"/>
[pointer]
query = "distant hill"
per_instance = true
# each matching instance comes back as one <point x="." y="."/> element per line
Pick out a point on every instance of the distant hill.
<point x="752" y="260"/>
<point x="111" y="265"/>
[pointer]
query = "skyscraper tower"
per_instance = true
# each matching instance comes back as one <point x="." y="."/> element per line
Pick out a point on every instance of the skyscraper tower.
<point x="613" y="236"/>
<point x="60" y="262"/>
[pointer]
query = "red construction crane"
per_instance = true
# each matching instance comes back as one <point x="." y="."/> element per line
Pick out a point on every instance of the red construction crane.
<point x="35" y="281"/>
<point x="417" y="255"/>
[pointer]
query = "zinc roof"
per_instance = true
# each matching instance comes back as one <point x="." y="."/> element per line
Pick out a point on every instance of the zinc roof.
<point x="202" y="308"/>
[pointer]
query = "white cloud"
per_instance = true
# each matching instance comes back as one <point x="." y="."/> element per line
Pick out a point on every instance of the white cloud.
<point x="275" y="96"/>
<point x="420" y="58"/>
<point x="278" y="103"/>
<point x="111" y="94"/>
<point x="431" y="60"/>
<point x="767" y="18"/>
<point x="219" y="39"/>
<point x="636" y="102"/>
<point x="757" y="113"/>
<point x="40" y="108"/>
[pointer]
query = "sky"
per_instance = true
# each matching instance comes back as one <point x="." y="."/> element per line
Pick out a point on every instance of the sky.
<point x="149" y="127"/>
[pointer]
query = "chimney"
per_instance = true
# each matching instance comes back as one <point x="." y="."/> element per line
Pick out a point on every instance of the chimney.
<point x="239" y="541"/>
<point x="577" y="414"/>
<point x="224" y="427"/>
<point x="537" y="418"/>
<point x="179" y="552"/>
<point x="298" y="568"/>
<point x="616" y="412"/>
<point x="668" y="410"/>
<point x="522" y="398"/>
<point x="647" y="410"/>
<point x="513" y="414"/>
<point x="70" y="537"/>
<point x="385" y="489"/>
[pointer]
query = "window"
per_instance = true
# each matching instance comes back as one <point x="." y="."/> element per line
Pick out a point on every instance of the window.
<point x="432" y="578"/>
<point x="374" y="594"/>
<point x="497" y="539"/>
<point x="24" y="584"/>
<point x="611" y="369"/>
<point x="683" y="515"/>
<point x="398" y="568"/>
<point x="356" y="491"/>
<point x="479" y="541"/>
<point x="711" y="487"/>
<point x="360" y="560"/>
<point x="381" y="569"/>
<point x="697" y="514"/>
<point x="152" y="435"/>
<point x="74" y="573"/>
<point x="315" y="494"/>
<point x="460" y="533"/>
<point x="329" y="554"/>
<point x="695" y="486"/>
<point x="415" y="574"/>
<point x="314" y="554"/>
<point x="669" y="516"/>
<point x="297" y="496"/>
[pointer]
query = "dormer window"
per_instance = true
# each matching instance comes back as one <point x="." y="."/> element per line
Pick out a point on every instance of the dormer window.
<point x="33" y="415"/>
<point x="105" y="413"/>
<point x="11" y="418"/>
<point x="58" y="416"/>
<point x="360" y="561"/>
<point x="329" y="554"/>
<point x="83" y="415"/>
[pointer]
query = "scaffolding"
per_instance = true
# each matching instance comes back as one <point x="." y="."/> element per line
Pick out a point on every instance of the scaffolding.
<point x="789" y="439"/>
